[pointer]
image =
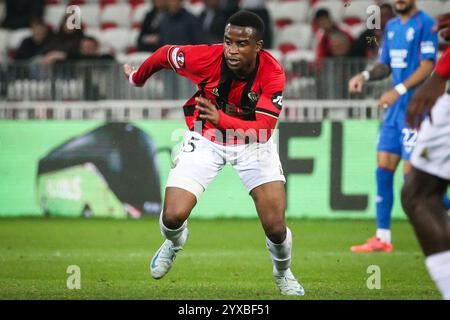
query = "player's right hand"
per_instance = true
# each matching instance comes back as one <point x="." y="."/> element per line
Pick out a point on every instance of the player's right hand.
<point x="355" y="85"/>
<point x="127" y="70"/>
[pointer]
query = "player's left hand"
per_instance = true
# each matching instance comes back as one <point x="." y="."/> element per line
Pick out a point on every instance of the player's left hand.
<point x="388" y="99"/>
<point x="127" y="70"/>
<point x="207" y="110"/>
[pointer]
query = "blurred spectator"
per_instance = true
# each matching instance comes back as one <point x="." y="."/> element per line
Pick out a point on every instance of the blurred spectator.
<point x="65" y="44"/>
<point x="339" y="45"/>
<point x="259" y="7"/>
<point x="326" y="25"/>
<point x="20" y="13"/>
<point x="88" y="71"/>
<point x="90" y="50"/>
<point x="178" y="26"/>
<point x="149" y="36"/>
<point x="369" y="41"/>
<point x="35" y="45"/>
<point x="229" y="7"/>
<point x="213" y="21"/>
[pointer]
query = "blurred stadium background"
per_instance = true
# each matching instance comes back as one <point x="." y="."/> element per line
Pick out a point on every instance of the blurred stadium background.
<point x="74" y="134"/>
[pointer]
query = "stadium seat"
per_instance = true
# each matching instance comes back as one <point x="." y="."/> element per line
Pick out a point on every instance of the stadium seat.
<point x="15" y="39"/>
<point x="285" y="13"/>
<point x="97" y="34"/>
<point x="356" y="12"/>
<point x="334" y="7"/>
<point x="104" y="3"/>
<point x="195" y="8"/>
<point x="90" y="15"/>
<point x="53" y="15"/>
<point x="446" y="7"/>
<point x="115" y="15"/>
<point x="276" y="53"/>
<point x="132" y="41"/>
<point x="136" y="3"/>
<point x="118" y="39"/>
<point x="138" y="15"/>
<point x="432" y="7"/>
<point x="299" y="55"/>
<point x="135" y="58"/>
<point x="294" y="37"/>
<point x="77" y="2"/>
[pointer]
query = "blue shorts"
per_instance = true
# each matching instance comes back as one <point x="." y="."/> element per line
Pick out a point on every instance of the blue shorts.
<point x="395" y="136"/>
<point x="396" y="140"/>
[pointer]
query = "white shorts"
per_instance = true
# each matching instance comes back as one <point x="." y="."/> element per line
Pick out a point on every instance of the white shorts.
<point x="432" y="151"/>
<point x="200" y="160"/>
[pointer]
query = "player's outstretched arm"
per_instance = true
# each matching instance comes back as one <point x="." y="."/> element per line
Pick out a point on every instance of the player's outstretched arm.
<point x="378" y="72"/>
<point x="157" y="61"/>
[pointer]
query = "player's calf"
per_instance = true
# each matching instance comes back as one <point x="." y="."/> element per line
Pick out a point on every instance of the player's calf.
<point x="281" y="257"/>
<point x="165" y="256"/>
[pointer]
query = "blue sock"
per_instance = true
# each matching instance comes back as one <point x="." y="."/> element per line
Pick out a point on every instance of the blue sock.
<point x="446" y="202"/>
<point x="385" y="197"/>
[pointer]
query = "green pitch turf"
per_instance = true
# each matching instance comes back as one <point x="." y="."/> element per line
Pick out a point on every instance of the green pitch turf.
<point x="223" y="259"/>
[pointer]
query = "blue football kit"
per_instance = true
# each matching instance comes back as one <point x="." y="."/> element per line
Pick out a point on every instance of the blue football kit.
<point x="403" y="48"/>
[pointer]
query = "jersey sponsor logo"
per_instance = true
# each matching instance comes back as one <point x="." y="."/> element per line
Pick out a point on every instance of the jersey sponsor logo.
<point x="253" y="96"/>
<point x="277" y="100"/>
<point x="391" y="35"/>
<point x="233" y="110"/>
<point x="398" y="58"/>
<point x="177" y="58"/>
<point x="215" y="92"/>
<point x="410" y="34"/>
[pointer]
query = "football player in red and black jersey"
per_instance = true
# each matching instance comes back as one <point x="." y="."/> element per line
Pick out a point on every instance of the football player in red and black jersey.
<point x="430" y="174"/>
<point x="230" y="119"/>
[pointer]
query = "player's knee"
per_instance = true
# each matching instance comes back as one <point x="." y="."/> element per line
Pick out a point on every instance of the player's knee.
<point x="173" y="218"/>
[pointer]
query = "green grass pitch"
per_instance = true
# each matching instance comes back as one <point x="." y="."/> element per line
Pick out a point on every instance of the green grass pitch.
<point x="223" y="259"/>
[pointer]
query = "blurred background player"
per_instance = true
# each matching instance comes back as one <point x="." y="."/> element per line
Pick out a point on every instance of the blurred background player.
<point x="408" y="52"/>
<point x="430" y="173"/>
<point x="239" y="90"/>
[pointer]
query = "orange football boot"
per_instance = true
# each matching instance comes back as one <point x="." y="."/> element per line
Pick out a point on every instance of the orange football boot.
<point x="373" y="244"/>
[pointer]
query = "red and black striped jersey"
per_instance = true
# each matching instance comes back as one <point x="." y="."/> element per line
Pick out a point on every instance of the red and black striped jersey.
<point x="251" y="105"/>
